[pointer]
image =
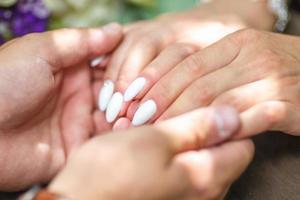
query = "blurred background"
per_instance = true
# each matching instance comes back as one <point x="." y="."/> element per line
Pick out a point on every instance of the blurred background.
<point x="19" y="17"/>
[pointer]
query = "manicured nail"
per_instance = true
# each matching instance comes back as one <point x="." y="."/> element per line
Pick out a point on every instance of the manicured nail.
<point x="105" y="94"/>
<point x="144" y="113"/>
<point x="227" y="120"/>
<point x="114" y="107"/>
<point x="96" y="61"/>
<point x="134" y="89"/>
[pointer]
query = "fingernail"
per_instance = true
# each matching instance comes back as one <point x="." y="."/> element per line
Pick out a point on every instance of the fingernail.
<point x="114" y="107"/>
<point x="111" y="28"/>
<point x="96" y="61"/>
<point x="144" y="113"/>
<point x="105" y="94"/>
<point x="227" y="119"/>
<point x="134" y="89"/>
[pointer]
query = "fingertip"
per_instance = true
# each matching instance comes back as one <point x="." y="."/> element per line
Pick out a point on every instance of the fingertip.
<point x="122" y="124"/>
<point x="227" y="120"/>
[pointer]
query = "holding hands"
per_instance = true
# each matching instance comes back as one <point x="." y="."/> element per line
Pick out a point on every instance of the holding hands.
<point x="159" y="162"/>
<point x="256" y="72"/>
<point x="160" y="72"/>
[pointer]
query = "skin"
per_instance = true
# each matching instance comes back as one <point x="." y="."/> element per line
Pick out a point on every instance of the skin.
<point x="158" y="161"/>
<point x="199" y="27"/>
<point x="231" y="72"/>
<point x="46" y="101"/>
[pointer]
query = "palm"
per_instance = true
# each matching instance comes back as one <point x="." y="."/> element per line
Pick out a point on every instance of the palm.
<point x="46" y="100"/>
<point x="54" y="120"/>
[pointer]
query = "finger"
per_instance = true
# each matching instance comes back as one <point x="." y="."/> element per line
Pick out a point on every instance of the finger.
<point x="246" y="96"/>
<point x="106" y="92"/>
<point x="164" y="62"/>
<point x="142" y="52"/>
<point x="270" y="115"/>
<point x="97" y="84"/>
<point x="170" y="86"/>
<point x="200" y="128"/>
<point x="100" y="62"/>
<point x="207" y="89"/>
<point x="78" y="120"/>
<point x="121" y="124"/>
<point x="211" y="171"/>
<point x="97" y="74"/>
<point x="118" y="57"/>
<point x="100" y="123"/>
<point x="69" y="47"/>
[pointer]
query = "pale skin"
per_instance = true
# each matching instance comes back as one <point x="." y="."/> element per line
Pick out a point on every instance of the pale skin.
<point x="199" y="27"/>
<point x="158" y="161"/>
<point x="46" y="101"/>
<point x="47" y="106"/>
<point x="47" y="113"/>
<point x="256" y="72"/>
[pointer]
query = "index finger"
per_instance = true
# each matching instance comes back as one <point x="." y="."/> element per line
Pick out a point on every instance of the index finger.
<point x="171" y="85"/>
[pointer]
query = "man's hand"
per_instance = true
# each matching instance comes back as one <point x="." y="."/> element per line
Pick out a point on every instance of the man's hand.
<point x="46" y="100"/>
<point x="162" y="161"/>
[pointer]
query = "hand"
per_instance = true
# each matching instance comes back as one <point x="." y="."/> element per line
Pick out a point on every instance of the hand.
<point x="256" y="72"/>
<point x="196" y="28"/>
<point x="163" y="161"/>
<point x="46" y="100"/>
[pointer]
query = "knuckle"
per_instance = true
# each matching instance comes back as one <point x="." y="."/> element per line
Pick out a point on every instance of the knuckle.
<point x="193" y="64"/>
<point x="246" y="36"/>
<point x="147" y="44"/>
<point x="274" y="112"/>
<point x="270" y="60"/>
<point x="132" y="38"/>
<point x="181" y="50"/>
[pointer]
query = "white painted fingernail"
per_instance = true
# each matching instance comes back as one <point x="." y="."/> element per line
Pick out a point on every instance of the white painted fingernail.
<point x="105" y="94"/>
<point x="144" y="113"/>
<point x="134" y="89"/>
<point x="96" y="61"/>
<point x="114" y="107"/>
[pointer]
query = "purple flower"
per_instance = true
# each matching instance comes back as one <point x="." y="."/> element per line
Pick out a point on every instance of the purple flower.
<point x="27" y="16"/>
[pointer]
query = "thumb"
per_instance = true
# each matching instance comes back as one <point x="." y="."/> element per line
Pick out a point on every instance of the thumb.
<point x="201" y="128"/>
<point x="67" y="47"/>
<point x="270" y="115"/>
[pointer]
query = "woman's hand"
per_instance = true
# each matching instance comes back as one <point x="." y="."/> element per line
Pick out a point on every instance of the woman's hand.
<point x="162" y="161"/>
<point x="256" y="72"/>
<point x="198" y="28"/>
<point x="46" y="100"/>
